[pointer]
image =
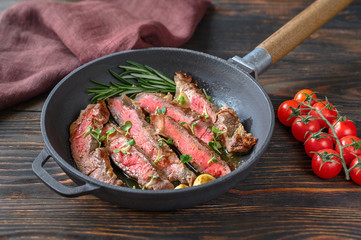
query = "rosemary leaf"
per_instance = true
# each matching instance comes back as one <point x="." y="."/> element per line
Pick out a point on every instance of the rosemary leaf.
<point x="121" y="79"/>
<point x="134" y="79"/>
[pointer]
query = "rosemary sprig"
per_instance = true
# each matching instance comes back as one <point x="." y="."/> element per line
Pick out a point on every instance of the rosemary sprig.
<point x="134" y="79"/>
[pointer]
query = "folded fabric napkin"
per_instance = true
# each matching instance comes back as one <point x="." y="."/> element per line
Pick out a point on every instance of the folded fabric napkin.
<point x="40" y="42"/>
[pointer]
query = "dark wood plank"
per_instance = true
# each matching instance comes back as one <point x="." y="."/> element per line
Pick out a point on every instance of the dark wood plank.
<point x="281" y="199"/>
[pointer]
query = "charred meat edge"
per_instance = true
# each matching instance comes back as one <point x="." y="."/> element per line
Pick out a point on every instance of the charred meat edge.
<point x="133" y="161"/>
<point x="89" y="158"/>
<point x="150" y="102"/>
<point x="189" y="144"/>
<point x="162" y="157"/>
<point x="235" y="138"/>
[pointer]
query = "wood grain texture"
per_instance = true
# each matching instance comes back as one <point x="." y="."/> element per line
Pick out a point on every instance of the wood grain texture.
<point x="301" y="27"/>
<point x="281" y="199"/>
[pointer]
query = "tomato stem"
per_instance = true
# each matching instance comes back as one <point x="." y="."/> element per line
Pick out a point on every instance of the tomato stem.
<point x="321" y="116"/>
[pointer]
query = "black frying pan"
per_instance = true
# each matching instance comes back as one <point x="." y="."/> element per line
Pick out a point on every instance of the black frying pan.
<point x="232" y="82"/>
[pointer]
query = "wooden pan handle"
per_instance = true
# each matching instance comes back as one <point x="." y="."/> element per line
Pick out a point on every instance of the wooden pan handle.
<point x="300" y="27"/>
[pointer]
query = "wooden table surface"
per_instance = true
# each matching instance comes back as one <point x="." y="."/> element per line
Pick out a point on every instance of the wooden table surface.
<point x="281" y="199"/>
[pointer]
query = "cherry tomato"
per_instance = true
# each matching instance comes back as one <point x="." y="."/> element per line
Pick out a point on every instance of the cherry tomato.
<point x="328" y="112"/>
<point x="303" y="124"/>
<point x="355" y="173"/>
<point x="305" y="95"/>
<point x="343" y="127"/>
<point x="317" y="141"/>
<point x="327" y="166"/>
<point x="348" y="152"/>
<point x="288" y="111"/>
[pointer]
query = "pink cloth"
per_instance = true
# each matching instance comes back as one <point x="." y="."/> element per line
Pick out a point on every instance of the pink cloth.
<point x="40" y="42"/>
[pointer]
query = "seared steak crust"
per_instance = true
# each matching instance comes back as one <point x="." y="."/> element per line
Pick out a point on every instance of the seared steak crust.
<point x="103" y="170"/>
<point x="235" y="139"/>
<point x="133" y="161"/>
<point x="90" y="159"/>
<point x="162" y="157"/>
<point x="189" y="144"/>
<point x="150" y="102"/>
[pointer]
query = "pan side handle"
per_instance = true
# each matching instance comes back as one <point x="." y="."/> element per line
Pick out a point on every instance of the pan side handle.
<point x="284" y="40"/>
<point x="301" y="27"/>
<point x="38" y="168"/>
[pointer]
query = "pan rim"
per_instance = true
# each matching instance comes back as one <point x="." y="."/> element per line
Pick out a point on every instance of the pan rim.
<point x="170" y="192"/>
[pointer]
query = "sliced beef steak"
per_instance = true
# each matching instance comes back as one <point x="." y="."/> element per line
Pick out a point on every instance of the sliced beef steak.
<point x="162" y="157"/>
<point x="150" y="102"/>
<point x="197" y="100"/>
<point x="133" y="161"/>
<point x="89" y="158"/>
<point x="235" y="138"/>
<point x="189" y="144"/>
<point x="103" y="170"/>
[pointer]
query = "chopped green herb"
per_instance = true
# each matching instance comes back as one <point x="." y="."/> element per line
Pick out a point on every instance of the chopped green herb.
<point x="190" y="126"/>
<point x="168" y="141"/>
<point x="150" y="181"/>
<point x="126" y="127"/>
<point x="125" y="147"/>
<point x="185" y="158"/>
<point x="216" y="146"/>
<point x="162" y="110"/>
<point x="181" y="100"/>
<point x="160" y="144"/>
<point x="109" y="132"/>
<point x="213" y="159"/>
<point x="216" y="131"/>
<point x="95" y="133"/>
<point x="207" y="96"/>
<point x="159" y="157"/>
<point x="205" y="113"/>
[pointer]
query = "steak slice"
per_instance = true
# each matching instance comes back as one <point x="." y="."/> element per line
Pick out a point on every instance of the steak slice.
<point x="89" y="158"/>
<point x="133" y="161"/>
<point x="150" y="102"/>
<point x="103" y="170"/>
<point x="162" y="157"/>
<point x="189" y="144"/>
<point x="235" y="138"/>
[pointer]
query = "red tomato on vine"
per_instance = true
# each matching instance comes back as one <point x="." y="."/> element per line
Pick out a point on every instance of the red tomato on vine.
<point x="288" y="111"/>
<point x="343" y="127"/>
<point x="302" y="125"/>
<point x="326" y="163"/>
<point x="327" y="110"/>
<point x="305" y="95"/>
<point x="355" y="172"/>
<point x="317" y="141"/>
<point x="350" y="151"/>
